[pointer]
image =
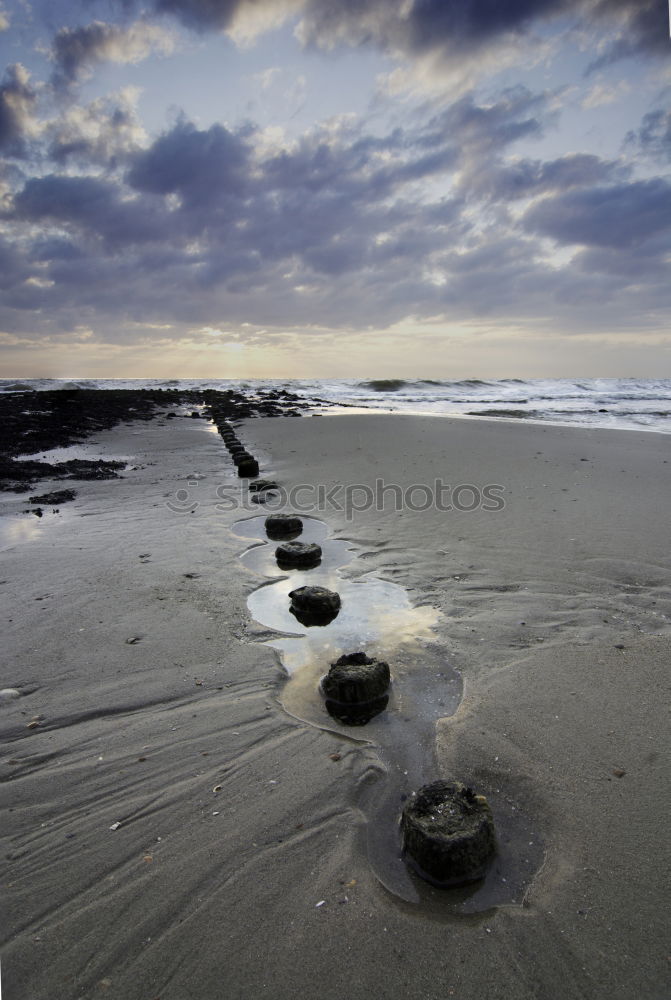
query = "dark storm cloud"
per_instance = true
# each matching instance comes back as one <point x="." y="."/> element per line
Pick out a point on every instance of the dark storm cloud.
<point x="526" y="178"/>
<point x="477" y="129"/>
<point x="77" y="49"/>
<point x="202" y="15"/>
<point x="447" y="27"/>
<point x="322" y="201"/>
<point x="17" y="107"/>
<point x="199" y="166"/>
<point x="619" y="216"/>
<point x="91" y="207"/>
<point x="429" y="25"/>
<point x="12" y="267"/>
<point x="641" y="26"/>
<point x="54" y="248"/>
<point x="334" y="229"/>
<point x="654" y="136"/>
<point x="452" y="28"/>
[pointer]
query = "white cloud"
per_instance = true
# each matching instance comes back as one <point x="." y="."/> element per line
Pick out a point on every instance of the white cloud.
<point x="76" y="51"/>
<point x="432" y="74"/>
<point x="99" y="132"/>
<point x="253" y="19"/>
<point x="604" y="93"/>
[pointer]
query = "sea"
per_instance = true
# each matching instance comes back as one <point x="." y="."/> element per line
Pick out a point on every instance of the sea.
<point x="619" y="403"/>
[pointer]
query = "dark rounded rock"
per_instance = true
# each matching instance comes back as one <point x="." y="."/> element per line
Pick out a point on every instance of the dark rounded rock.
<point x="283" y="526"/>
<point x="57" y="496"/>
<point x="262" y="486"/>
<point x="356" y="677"/>
<point x="314" y="605"/>
<point x="241" y="456"/>
<point x="248" y="468"/>
<point x="356" y="714"/>
<point x="448" y="833"/>
<point x="263" y="497"/>
<point x="290" y="554"/>
<point x="237" y="449"/>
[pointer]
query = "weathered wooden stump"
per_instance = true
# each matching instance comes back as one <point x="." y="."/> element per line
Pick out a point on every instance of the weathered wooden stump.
<point x="355" y="689"/>
<point x="283" y="526"/>
<point x="314" y="605"/>
<point x="298" y="555"/>
<point x="448" y="833"/>
<point x="248" y="468"/>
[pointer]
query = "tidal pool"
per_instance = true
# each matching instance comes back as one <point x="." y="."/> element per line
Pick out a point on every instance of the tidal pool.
<point x="377" y="618"/>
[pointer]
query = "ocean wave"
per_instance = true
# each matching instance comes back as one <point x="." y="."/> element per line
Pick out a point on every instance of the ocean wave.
<point x="517" y="414"/>
<point x="16" y="387"/>
<point x="79" y="384"/>
<point x="384" y="384"/>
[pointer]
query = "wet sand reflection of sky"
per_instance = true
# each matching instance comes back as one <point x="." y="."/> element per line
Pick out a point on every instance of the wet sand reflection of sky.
<point x="15" y="529"/>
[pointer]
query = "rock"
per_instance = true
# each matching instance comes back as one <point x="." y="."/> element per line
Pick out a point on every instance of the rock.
<point x="448" y="833"/>
<point x="314" y="605"/>
<point x="283" y="526"/>
<point x="263" y="497"/>
<point x="58" y="496"/>
<point x="262" y="485"/>
<point x="356" y="677"/>
<point x="294" y="554"/>
<point x="241" y="456"/>
<point x="355" y="689"/>
<point x="248" y="468"/>
<point x="237" y="449"/>
<point x="358" y="714"/>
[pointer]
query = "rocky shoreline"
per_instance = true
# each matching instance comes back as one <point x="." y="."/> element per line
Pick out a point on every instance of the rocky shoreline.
<point x="38" y="421"/>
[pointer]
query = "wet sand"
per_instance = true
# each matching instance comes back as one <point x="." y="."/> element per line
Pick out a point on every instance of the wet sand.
<point x="128" y="632"/>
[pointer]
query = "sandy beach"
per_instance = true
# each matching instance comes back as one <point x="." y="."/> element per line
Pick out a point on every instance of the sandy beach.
<point x="172" y="832"/>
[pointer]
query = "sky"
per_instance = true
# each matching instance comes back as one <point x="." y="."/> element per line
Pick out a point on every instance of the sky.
<point x="335" y="188"/>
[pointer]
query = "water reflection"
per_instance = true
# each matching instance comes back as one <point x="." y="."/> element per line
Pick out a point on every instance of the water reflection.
<point x="18" y="528"/>
<point x="83" y="452"/>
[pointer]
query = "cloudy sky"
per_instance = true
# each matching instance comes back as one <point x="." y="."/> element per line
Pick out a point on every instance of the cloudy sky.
<point x="277" y="188"/>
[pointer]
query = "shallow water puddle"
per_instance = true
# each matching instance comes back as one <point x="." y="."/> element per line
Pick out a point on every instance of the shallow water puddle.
<point x="87" y="452"/>
<point x="18" y="528"/>
<point x="378" y="618"/>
